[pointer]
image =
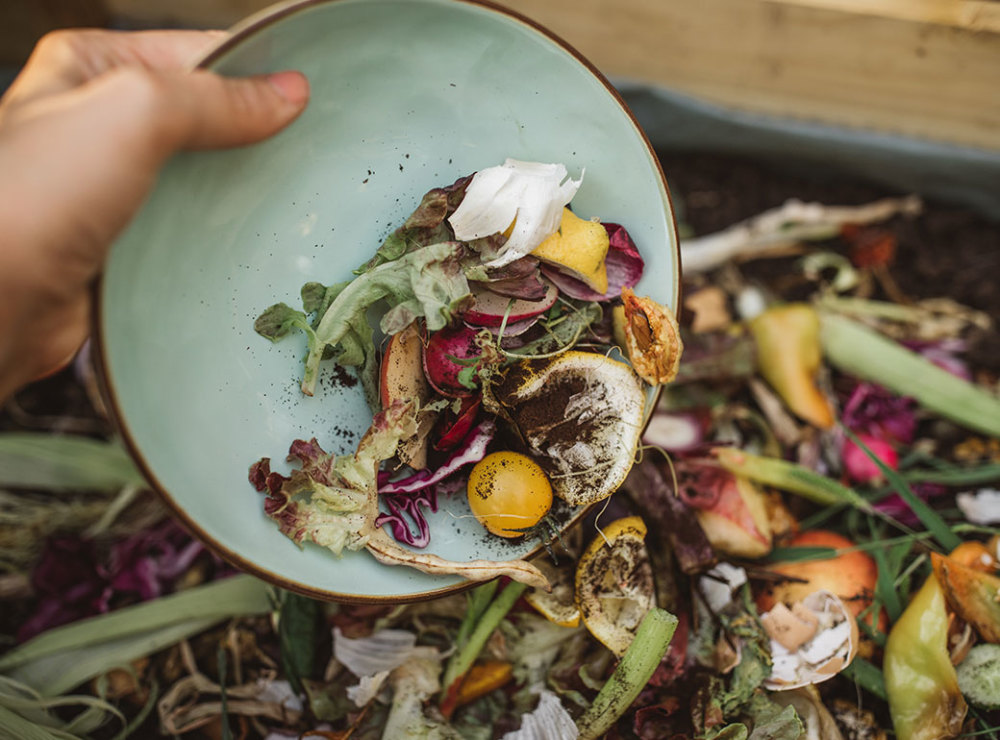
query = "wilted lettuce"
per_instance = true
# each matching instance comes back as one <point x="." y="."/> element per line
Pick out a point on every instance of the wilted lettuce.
<point x="332" y="500"/>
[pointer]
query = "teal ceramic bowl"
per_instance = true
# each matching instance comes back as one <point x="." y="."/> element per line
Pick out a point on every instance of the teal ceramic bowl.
<point x="406" y="95"/>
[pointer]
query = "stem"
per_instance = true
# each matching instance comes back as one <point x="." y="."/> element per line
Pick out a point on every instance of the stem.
<point x="631" y="674"/>
<point x="956" y="476"/>
<point x="479" y="600"/>
<point x="463" y="658"/>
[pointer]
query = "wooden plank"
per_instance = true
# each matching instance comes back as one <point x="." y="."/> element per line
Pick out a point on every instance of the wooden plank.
<point x="921" y="68"/>
<point x="934" y="77"/>
<point x="187" y="13"/>
<point x="23" y="22"/>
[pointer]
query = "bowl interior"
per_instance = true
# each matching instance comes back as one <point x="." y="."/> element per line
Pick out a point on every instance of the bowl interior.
<point x="406" y="95"/>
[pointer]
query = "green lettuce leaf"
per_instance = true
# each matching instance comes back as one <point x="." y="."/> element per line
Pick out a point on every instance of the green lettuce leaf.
<point x="428" y="282"/>
<point x="426" y="225"/>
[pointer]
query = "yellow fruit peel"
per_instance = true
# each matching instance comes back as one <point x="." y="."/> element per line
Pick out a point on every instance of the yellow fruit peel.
<point x="614" y="584"/>
<point x="578" y="248"/>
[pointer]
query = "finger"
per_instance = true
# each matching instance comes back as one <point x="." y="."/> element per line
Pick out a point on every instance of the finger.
<point x="111" y="137"/>
<point x="202" y="110"/>
<point x="66" y="59"/>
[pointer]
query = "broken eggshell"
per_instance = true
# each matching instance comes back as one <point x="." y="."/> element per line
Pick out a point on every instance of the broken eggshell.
<point x="812" y="641"/>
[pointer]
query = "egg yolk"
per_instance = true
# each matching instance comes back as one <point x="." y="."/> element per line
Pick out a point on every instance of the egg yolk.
<point x="508" y="492"/>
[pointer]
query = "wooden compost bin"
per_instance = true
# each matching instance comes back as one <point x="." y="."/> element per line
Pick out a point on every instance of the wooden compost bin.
<point x="928" y="69"/>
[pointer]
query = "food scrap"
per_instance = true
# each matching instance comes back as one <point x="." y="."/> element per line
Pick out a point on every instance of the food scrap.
<point x="496" y="302"/>
<point x="801" y="544"/>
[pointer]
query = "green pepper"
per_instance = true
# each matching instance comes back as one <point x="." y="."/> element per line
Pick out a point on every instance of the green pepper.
<point x="924" y="698"/>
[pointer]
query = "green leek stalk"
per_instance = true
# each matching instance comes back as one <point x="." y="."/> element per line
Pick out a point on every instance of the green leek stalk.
<point x="64" y="657"/>
<point x="921" y="683"/>
<point x="463" y="658"/>
<point x="631" y="674"/>
<point x="857" y="350"/>
<point x="789" y="476"/>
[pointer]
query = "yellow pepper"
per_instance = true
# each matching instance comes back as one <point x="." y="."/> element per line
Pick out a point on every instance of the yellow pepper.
<point x="788" y="356"/>
<point x="924" y="698"/>
<point x="481" y="679"/>
<point x="970" y="592"/>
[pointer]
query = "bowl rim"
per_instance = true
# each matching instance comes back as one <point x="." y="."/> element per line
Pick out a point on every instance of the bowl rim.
<point x="237" y="34"/>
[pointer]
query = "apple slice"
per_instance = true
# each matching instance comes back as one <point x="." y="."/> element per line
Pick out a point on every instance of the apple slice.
<point x="490" y="308"/>
<point x="402" y="377"/>
<point x="402" y="373"/>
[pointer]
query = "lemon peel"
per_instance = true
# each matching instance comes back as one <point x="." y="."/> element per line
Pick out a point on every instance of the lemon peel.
<point x="614" y="584"/>
<point x="579" y="414"/>
<point x="559" y="605"/>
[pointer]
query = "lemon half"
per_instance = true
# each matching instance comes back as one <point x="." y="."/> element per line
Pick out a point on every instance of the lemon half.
<point x="580" y="414"/>
<point x="614" y="583"/>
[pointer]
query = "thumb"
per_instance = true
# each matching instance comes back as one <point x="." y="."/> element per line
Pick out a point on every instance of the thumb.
<point x="167" y="111"/>
<point x="203" y="110"/>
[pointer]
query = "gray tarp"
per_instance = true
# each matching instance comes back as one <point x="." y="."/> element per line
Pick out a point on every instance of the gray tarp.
<point x="675" y="122"/>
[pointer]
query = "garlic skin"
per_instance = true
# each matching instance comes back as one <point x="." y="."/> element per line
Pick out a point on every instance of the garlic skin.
<point x="530" y="196"/>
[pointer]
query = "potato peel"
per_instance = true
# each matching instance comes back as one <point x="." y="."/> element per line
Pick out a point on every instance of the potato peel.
<point x="389" y="552"/>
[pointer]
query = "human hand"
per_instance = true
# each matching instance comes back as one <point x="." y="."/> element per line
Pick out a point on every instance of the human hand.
<point x="84" y="130"/>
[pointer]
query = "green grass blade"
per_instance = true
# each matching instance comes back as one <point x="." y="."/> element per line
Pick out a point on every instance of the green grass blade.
<point x="59" y="672"/>
<point x="867" y="676"/>
<point x="51" y="462"/>
<point x="927" y="516"/>
<point x="300" y="621"/>
<point x="857" y="350"/>
<point x="13" y="725"/>
<point x="217" y="600"/>
<point x="885" y="589"/>
<point x="956" y="476"/>
<point x="799" y="554"/>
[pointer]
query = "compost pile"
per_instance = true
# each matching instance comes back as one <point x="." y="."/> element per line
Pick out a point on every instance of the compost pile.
<point x="807" y="547"/>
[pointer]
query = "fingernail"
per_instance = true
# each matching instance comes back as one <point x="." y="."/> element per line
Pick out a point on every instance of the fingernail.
<point x="292" y="86"/>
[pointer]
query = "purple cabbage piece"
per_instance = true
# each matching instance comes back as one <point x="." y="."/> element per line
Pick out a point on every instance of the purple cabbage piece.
<point x="401" y="506"/>
<point x="945" y="354"/>
<point x="879" y="413"/>
<point x="624" y="265"/>
<point x="472" y="450"/>
<point x="74" y="581"/>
